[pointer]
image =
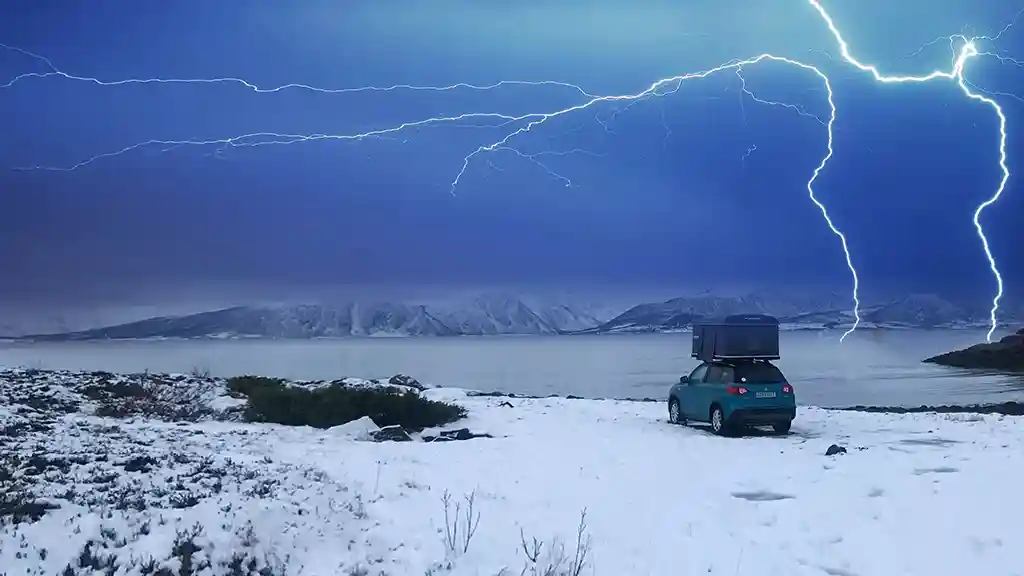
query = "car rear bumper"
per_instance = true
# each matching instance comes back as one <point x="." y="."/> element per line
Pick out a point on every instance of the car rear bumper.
<point x="761" y="416"/>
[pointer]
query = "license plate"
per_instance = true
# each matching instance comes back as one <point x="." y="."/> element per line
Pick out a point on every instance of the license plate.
<point x="764" y="394"/>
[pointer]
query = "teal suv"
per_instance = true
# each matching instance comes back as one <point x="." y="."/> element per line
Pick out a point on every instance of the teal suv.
<point x="733" y="395"/>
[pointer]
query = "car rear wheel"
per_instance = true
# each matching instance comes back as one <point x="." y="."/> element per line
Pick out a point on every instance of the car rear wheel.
<point x="718" y="425"/>
<point x="675" y="413"/>
<point x="782" y="427"/>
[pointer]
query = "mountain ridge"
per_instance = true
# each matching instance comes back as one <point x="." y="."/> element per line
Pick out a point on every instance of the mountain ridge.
<point x="915" y="311"/>
<point x="511" y="315"/>
<point x="480" y="317"/>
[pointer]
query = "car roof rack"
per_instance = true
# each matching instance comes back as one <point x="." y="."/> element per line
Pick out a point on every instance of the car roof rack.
<point x="736" y="337"/>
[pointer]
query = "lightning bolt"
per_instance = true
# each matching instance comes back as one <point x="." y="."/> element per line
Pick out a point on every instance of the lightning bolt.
<point x="56" y="72"/>
<point x="967" y="51"/>
<point x="529" y="121"/>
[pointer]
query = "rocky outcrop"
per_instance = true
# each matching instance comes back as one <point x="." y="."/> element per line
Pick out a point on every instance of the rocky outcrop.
<point x="1005" y="355"/>
<point x="400" y="380"/>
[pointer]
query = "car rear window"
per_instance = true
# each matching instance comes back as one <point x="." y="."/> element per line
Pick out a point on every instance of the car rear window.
<point x="758" y="372"/>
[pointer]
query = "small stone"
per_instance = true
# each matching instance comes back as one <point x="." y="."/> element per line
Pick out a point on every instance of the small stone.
<point x="393" y="433"/>
<point x="452" y="435"/>
<point x="835" y="449"/>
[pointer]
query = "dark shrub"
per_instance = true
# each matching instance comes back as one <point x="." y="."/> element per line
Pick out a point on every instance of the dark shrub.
<point x="274" y="402"/>
<point x="245" y="385"/>
<point x="103" y="389"/>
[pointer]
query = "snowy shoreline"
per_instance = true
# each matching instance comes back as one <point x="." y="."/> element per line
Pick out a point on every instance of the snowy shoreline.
<point x="916" y="493"/>
<point x="1008" y="408"/>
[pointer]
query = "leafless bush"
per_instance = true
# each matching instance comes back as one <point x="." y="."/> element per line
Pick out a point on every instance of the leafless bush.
<point x="460" y="524"/>
<point x="554" y="560"/>
<point x="187" y="555"/>
<point x="200" y="372"/>
<point x="152" y="396"/>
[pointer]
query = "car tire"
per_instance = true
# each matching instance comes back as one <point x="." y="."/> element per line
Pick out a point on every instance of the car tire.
<point x="782" y="428"/>
<point x="717" y="419"/>
<point x="675" y="413"/>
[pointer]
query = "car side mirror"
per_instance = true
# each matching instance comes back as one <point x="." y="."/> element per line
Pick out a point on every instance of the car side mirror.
<point x="684" y="379"/>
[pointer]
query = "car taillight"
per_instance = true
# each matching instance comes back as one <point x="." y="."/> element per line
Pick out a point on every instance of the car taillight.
<point x="736" y="390"/>
<point x="787" y="389"/>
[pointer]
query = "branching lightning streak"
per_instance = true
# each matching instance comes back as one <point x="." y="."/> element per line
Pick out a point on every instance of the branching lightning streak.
<point x="751" y="150"/>
<point x="533" y="158"/>
<point x="798" y="109"/>
<point x="527" y="122"/>
<point x="966" y="52"/>
<point x="56" y="72"/>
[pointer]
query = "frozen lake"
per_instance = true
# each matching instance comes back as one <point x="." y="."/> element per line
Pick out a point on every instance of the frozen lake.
<point x="869" y="368"/>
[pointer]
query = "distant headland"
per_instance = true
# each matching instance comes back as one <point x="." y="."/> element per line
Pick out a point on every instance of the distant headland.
<point x="1005" y="355"/>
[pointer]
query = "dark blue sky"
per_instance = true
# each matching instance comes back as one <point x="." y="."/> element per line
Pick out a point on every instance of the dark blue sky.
<point x="664" y="197"/>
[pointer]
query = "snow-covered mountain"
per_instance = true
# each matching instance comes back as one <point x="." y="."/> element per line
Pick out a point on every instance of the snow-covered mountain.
<point x="913" y="311"/>
<point x="680" y="313"/>
<point x="14" y="323"/>
<point x="19" y="320"/>
<point x="299" y="321"/>
<point x="922" y="311"/>
<point x="478" y="316"/>
<point x="498" y="314"/>
<point x="494" y="316"/>
<point x="514" y="314"/>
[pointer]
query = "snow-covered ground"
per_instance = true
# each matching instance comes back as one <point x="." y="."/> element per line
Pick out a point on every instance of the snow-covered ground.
<point x="915" y="494"/>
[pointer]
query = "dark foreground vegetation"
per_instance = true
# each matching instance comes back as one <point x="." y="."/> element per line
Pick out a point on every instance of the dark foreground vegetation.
<point x="194" y="398"/>
<point x="274" y="401"/>
<point x="1007" y="355"/>
<point x="130" y="494"/>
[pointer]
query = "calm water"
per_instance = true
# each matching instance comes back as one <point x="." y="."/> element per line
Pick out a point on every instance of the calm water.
<point x="869" y="368"/>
